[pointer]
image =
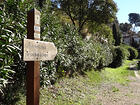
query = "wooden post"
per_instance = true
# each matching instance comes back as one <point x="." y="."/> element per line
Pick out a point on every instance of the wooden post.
<point x="35" y="51"/>
<point x="33" y="67"/>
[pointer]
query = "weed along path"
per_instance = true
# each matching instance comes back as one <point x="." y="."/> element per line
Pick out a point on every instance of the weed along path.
<point x="118" y="86"/>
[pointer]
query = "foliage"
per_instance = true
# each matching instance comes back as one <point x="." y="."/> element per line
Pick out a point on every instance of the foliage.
<point x="102" y="32"/>
<point x="119" y="55"/>
<point x="126" y="51"/>
<point x="83" y="11"/>
<point x="134" y="18"/>
<point x="106" y="55"/>
<point x="125" y="27"/>
<point x="116" y="33"/>
<point x="119" y="74"/>
<point x="124" y="46"/>
<point x="74" y="54"/>
<point x="133" y="53"/>
<point x="13" y="30"/>
<point x="9" y="38"/>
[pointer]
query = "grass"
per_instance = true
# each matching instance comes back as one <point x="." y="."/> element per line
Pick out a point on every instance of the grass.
<point x="120" y="74"/>
<point x="114" y="89"/>
<point x="82" y="90"/>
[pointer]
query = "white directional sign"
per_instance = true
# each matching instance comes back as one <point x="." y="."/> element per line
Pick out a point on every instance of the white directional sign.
<point x="34" y="50"/>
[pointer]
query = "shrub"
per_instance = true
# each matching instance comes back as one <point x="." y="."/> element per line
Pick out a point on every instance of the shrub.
<point x="118" y="56"/>
<point x="133" y="52"/>
<point x="75" y="55"/>
<point x="105" y="56"/>
<point x="12" y="30"/>
<point x="127" y="53"/>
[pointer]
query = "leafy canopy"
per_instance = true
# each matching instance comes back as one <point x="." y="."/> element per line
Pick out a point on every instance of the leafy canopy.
<point x="125" y="27"/>
<point x="82" y="11"/>
<point x="134" y="18"/>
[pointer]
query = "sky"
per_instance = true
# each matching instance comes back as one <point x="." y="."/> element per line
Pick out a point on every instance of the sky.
<point x="125" y="7"/>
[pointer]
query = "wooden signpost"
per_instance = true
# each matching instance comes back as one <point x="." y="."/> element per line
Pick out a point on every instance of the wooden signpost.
<point x="35" y="51"/>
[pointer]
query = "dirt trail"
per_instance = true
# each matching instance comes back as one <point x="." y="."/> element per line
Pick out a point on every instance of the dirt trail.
<point x="136" y="74"/>
<point x="117" y="94"/>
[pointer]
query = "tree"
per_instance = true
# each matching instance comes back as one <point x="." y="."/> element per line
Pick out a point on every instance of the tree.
<point x="116" y="33"/>
<point x="134" y="18"/>
<point x="82" y="11"/>
<point x="125" y="27"/>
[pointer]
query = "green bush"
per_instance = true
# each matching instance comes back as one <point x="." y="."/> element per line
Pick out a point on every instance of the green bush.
<point x="75" y="55"/>
<point x="132" y="51"/>
<point x="127" y="53"/>
<point x="13" y="21"/>
<point x="105" y="56"/>
<point x="118" y="56"/>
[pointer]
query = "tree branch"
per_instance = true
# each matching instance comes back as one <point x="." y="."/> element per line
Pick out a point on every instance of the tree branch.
<point x="69" y="14"/>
